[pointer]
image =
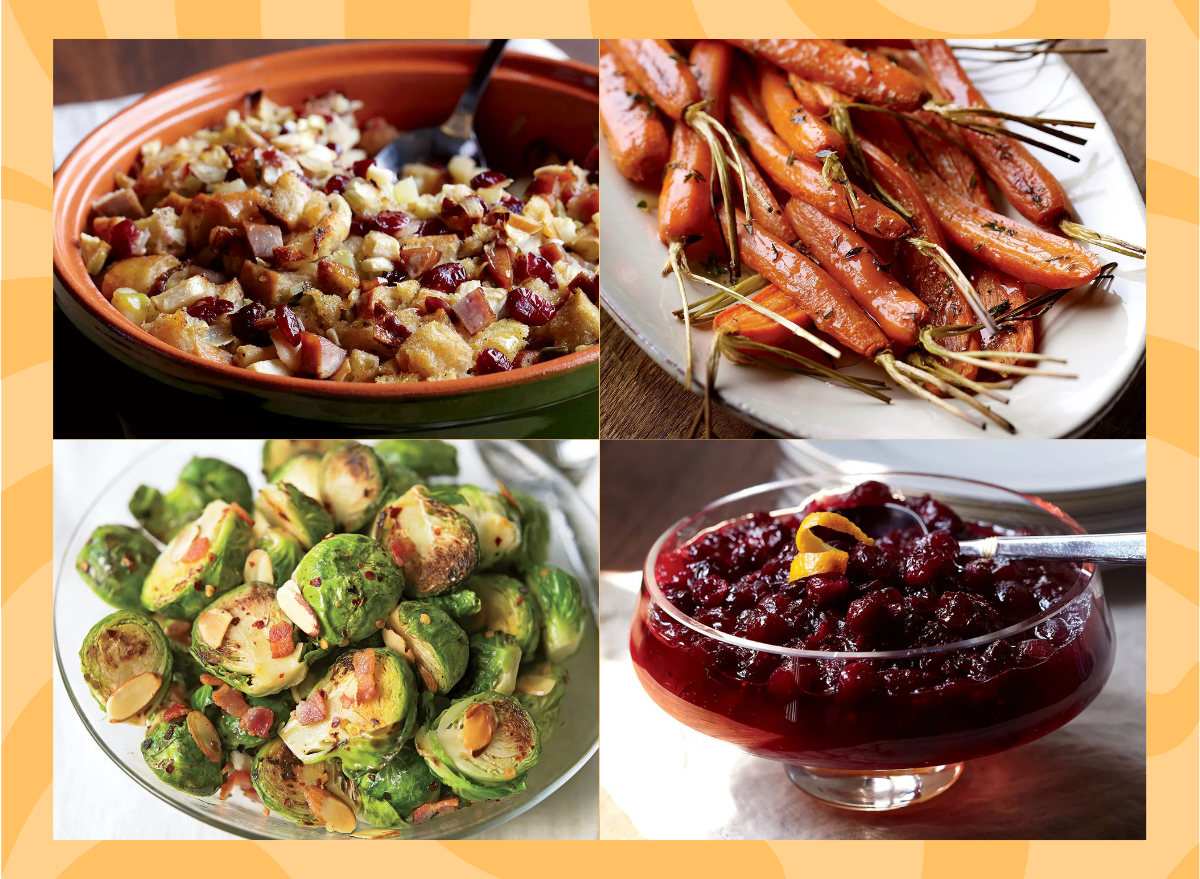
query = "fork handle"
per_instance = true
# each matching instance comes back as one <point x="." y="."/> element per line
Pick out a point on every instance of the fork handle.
<point x="462" y="120"/>
<point x="1129" y="549"/>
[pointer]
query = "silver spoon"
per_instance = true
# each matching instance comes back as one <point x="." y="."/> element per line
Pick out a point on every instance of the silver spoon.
<point x="455" y="136"/>
<point x="1129" y="549"/>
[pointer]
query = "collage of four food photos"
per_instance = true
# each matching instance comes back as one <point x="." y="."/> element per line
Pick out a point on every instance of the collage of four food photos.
<point x="822" y="516"/>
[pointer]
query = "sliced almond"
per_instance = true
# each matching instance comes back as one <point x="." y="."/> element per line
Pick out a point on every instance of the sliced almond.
<point x="213" y="624"/>
<point x="297" y="609"/>
<point x="258" y="567"/>
<point x="427" y="677"/>
<point x="330" y="811"/>
<point x="535" y="685"/>
<point x="205" y="735"/>
<point x="479" y="724"/>
<point x="183" y="542"/>
<point x="394" y="642"/>
<point x="132" y="696"/>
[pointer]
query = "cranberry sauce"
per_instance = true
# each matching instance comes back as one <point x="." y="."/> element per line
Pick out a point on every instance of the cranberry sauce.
<point x="907" y="591"/>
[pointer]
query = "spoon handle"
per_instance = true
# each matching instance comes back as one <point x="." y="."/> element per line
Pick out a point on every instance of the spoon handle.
<point x="462" y="120"/>
<point x="1128" y="549"/>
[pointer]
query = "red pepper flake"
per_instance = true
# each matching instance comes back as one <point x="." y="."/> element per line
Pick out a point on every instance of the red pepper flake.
<point x="315" y="581"/>
<point x="259" y="624"/>
<point x="370" y="575"/>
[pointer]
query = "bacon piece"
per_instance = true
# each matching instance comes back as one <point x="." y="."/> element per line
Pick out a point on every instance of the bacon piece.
<point x="211" y="681"/>
<point x="181" y="631"/>
<point x="418" y="260"/>
<point x="173" y="711"/>
<point x="312" y="709"/>
<point x="197" y="551"/>
<point x="280" y="636"/>
<point x="257" y="721"/>
<point x="231" y="701"/>
<point x="424" y="812"/>
<point x="364" y="671"/>
<point x="239" y="778"/>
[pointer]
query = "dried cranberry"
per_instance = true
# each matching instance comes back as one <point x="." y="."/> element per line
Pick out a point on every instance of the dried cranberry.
<point x="526" y="358"/>
<point x="588" y="285"/>
<point x="529" y="307"/>
<point x="361" y="166"/>
<point x="336" y="184"/>
<point x="388" y="329"/>
<point x="434" y="226"/>
<point x="290" y="326"/>
<point x="532" y="265"/>
<point x="514" y="204"/>
<point x="209" y="308"/>
<point x="123" y="237"/>
<point x="242" y="323"/>
<point x="360" y="226"/>
<point x="827" y="589"/>
<point x="491" y="360"/>
<point x="444" y="278"/>
<point x="488" y="179"/>
<point x="390" y="222"/>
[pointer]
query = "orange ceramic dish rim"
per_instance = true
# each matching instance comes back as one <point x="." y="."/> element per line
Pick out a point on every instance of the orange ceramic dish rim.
<point x="108" y="147"/>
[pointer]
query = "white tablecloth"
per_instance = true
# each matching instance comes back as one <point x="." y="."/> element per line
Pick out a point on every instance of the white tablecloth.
<point x="93" y="799"/>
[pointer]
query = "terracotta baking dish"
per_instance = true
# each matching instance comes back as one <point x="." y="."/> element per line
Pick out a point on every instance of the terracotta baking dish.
<point x="533" y="105"/>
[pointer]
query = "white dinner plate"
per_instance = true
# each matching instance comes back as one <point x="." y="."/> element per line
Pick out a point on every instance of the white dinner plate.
<point x="1101" y="334"/>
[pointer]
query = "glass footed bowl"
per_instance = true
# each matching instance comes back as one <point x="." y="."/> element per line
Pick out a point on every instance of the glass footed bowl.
<point x="897" y="745"/>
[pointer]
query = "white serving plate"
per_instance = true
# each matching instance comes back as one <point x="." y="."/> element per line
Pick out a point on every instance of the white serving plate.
<point x="1102" y="335"/>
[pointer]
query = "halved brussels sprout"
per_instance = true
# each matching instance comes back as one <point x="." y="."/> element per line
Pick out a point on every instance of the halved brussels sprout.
<point x="285" y="507"/>
<point x="276" y="452"/>
<point x="495" y="657"/>
<point x="364" y="734"/>
<point x="303" y="471"/>
<point x="423" y="457"/>
<point x="390" y="793"/>
<point x="202" y="560"/>
<point x="482" y="747"/>
<point x="535" y="528"/>
<point x="434" y="544"/>
<point x="461" y="605"/>
<point x="509" y="607"/>
<point x="353" y="485"/>
<point x="496" y="522"/>
<point x="281" y="781"/>
<point x="284" y="551"/>
<point x="564" y="614"/>
<point x="350" y="582"/>
<point x="232" y="639"/>
<point x="114" y="562"/>
<point x="123" y="646"/>
<point x="540" y="690"/>
<point x="436" y="642"/>
<point x="202" y="481"/>
<point x="187" y="670"/>
<point x="173" y="750"/>
<point x="229" y="728"/>
<point x="218" y="481"/>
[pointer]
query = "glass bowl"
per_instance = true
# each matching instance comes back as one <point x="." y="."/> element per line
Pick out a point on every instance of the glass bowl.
<point x="575" y="548"/>
<point x="900" y="744"/>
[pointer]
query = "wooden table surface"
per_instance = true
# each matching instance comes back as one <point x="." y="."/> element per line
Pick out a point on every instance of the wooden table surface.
<point x="638" y="399"/>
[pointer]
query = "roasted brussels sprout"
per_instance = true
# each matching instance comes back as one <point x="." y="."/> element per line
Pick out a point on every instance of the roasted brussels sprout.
<point x="275" y="453"/>
<point x="509" y="607"/>
<point x="232" y="730"/>
<point x="185" y="752"/>
<point x="126" y="663"/>
<point x="362" y="710"/>
<point x="461" y="605"/>
<point x="564" y="614"/>
<point x="245" y="639"/>
<point x="186" y="671"/>
<point x="114" y="562"/>
<point x="284" y="551"/>
<point x="202" y="560"/>
<point x="423" y="457"/>
<point x="434" y="544"/>
<point x="436" y="642"/>
<point x="482" y="747"/>
<point x="495" y="657"/>
<point x="535" y="528"/>
<point x="310" y="795"/>
<point x="286" y="508"/>
<point x="392" y="792"/>
<point x="353" y="485"/>
<point x="303" y="471"/>
<point x="540" y="690"/>
<point x="202" y="481"/>
<point x="495" y="520"/>
<point x="349" y="581"/>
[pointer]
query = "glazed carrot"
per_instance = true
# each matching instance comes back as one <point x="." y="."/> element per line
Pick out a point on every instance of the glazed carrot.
<point x="636" y="136"/>
<point x="745" y="321"/>
<point x="849" y="260"/>
<point x="1025" y="182"/>
<point x="711" y="62"/>
<point x="662" y="73"/>
<point x="1023" y="251"/>
<point x="802" y="129"/>
<point x="862" y="75"/>
<point x="832" y="309"/>
<point x="817" y="96"/>
<point x="774" y="220"/>
<point x="804" y="181"/>
<point x="995" y="288"/>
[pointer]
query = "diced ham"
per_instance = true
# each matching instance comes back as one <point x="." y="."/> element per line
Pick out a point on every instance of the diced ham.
<point x="211" y="680"/>
<point x="418" y="260"/>
<point x="197" y="551"/>
<point x="257" y="721"/>
<point x="474" y="311"/>
<point x="230" y="701"/>
<point x="320" y="356"/>
<point x="582" y="206"/>
<point x="280" y="636"/>
<point x="364" y="672"/>
<point x="263" y="238"/>
<point x="121" y="203"/>
<point x="312" y="709"/>
<point x="424" y="812"/>
<point x="552" y="252"/>
<point x="173" y="711"/>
